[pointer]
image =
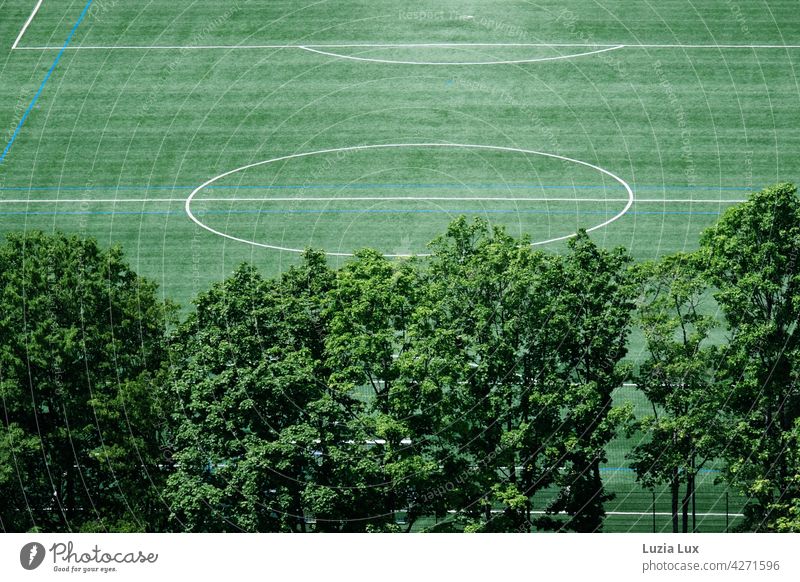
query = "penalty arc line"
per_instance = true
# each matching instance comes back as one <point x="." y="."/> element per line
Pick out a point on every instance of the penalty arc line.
<point x="44" y="82"/>
<point x="27" y="24"/>
<point x="456" y="63"/>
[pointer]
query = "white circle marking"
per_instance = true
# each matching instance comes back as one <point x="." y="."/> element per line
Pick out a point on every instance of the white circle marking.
<point x="193" y="218"/>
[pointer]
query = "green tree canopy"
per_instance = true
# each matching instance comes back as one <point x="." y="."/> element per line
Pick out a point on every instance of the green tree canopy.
<point x="751" y="258"/>
<point x="266" y="438"/>
<point x="81" y="339"/>
<point x="476" y="380"/>
<point x="594" y="296"/>
<point x="678" y="377"/>
<point x="514" y="357"/>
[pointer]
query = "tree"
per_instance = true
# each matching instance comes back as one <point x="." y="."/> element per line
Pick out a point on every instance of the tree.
<point x="592" y="308"/>
<point x="678" y="378"/>
<point x="263" y="440"/>
<point x="81" y="339"/>
<point x="242" y="370"/>
<point x="468" y="380"/>
<point x="788" y="508"/>
<point x="751" y="258"/>
<point x="370" y="309"/>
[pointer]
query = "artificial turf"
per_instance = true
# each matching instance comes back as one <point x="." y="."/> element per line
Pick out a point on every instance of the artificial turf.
<point x="152" y="99"/>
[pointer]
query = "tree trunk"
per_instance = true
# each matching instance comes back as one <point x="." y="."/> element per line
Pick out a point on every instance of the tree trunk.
<point x="66" y="502"/>
<point x="595" y="507"/>
<point x="685" y="506"/>
<point x="691" y="489"/>
<point x="675" y="485"/>
<point x="528" y="509"/>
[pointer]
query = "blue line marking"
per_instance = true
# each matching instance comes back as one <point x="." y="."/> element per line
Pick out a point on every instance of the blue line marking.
<point x="385" y="186"/>
<point x="46" y="78"/>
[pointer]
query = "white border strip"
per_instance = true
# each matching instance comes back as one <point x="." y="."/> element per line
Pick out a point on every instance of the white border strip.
<point x="364" y="199"/>
<point x="633" y="513"/>
<point x="27" y="24"/>
<point x="411" y="45"/>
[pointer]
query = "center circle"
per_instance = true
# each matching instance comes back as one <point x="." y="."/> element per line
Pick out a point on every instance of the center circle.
<point x="200" y="223"/>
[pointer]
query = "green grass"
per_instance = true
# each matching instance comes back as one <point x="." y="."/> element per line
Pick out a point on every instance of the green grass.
<point x="119" y="138"/>
<point x="703" y="118"/>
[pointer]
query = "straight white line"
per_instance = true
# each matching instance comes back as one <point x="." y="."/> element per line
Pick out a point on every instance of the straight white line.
<point x="362" y="199"/>
<point x="662" y="513"/>
<point x="27" y="23"/>
<point x="167" y="47"/>
<point x="714" y="46"/>
<point x="410" y="45"/>
<point x="333" y="46"/>
<point x="705" y="514"/>
<point x="690" y="200"/>
<point x="85" y="200"/>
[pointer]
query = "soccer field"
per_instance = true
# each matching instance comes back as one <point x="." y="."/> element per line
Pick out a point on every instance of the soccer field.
<point x="200" y="134"/>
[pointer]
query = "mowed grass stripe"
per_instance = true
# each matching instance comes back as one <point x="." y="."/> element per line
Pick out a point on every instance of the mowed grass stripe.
<point x="208" y="22"/>
<point x="712" y="155"/>
<point x="341" y="225"/>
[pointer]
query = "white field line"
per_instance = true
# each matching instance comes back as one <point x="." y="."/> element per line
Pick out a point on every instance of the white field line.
<point x="413" y="45"/>
<point x="26" y="25"/>
<point x="201" y="224"/>
<point x="642" y="513"/>
<point x="366" y="199"/>
<point x="456" y="63"/>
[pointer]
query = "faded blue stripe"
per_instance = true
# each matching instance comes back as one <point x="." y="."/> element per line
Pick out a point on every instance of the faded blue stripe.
<point x="345" y="211"/>
<point x="410" y="186"/>
<point x="46" y="78"/>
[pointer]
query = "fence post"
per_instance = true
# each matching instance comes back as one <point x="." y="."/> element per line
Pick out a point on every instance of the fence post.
<point x="726" y="512"/>
<point x="654" y="511"/>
